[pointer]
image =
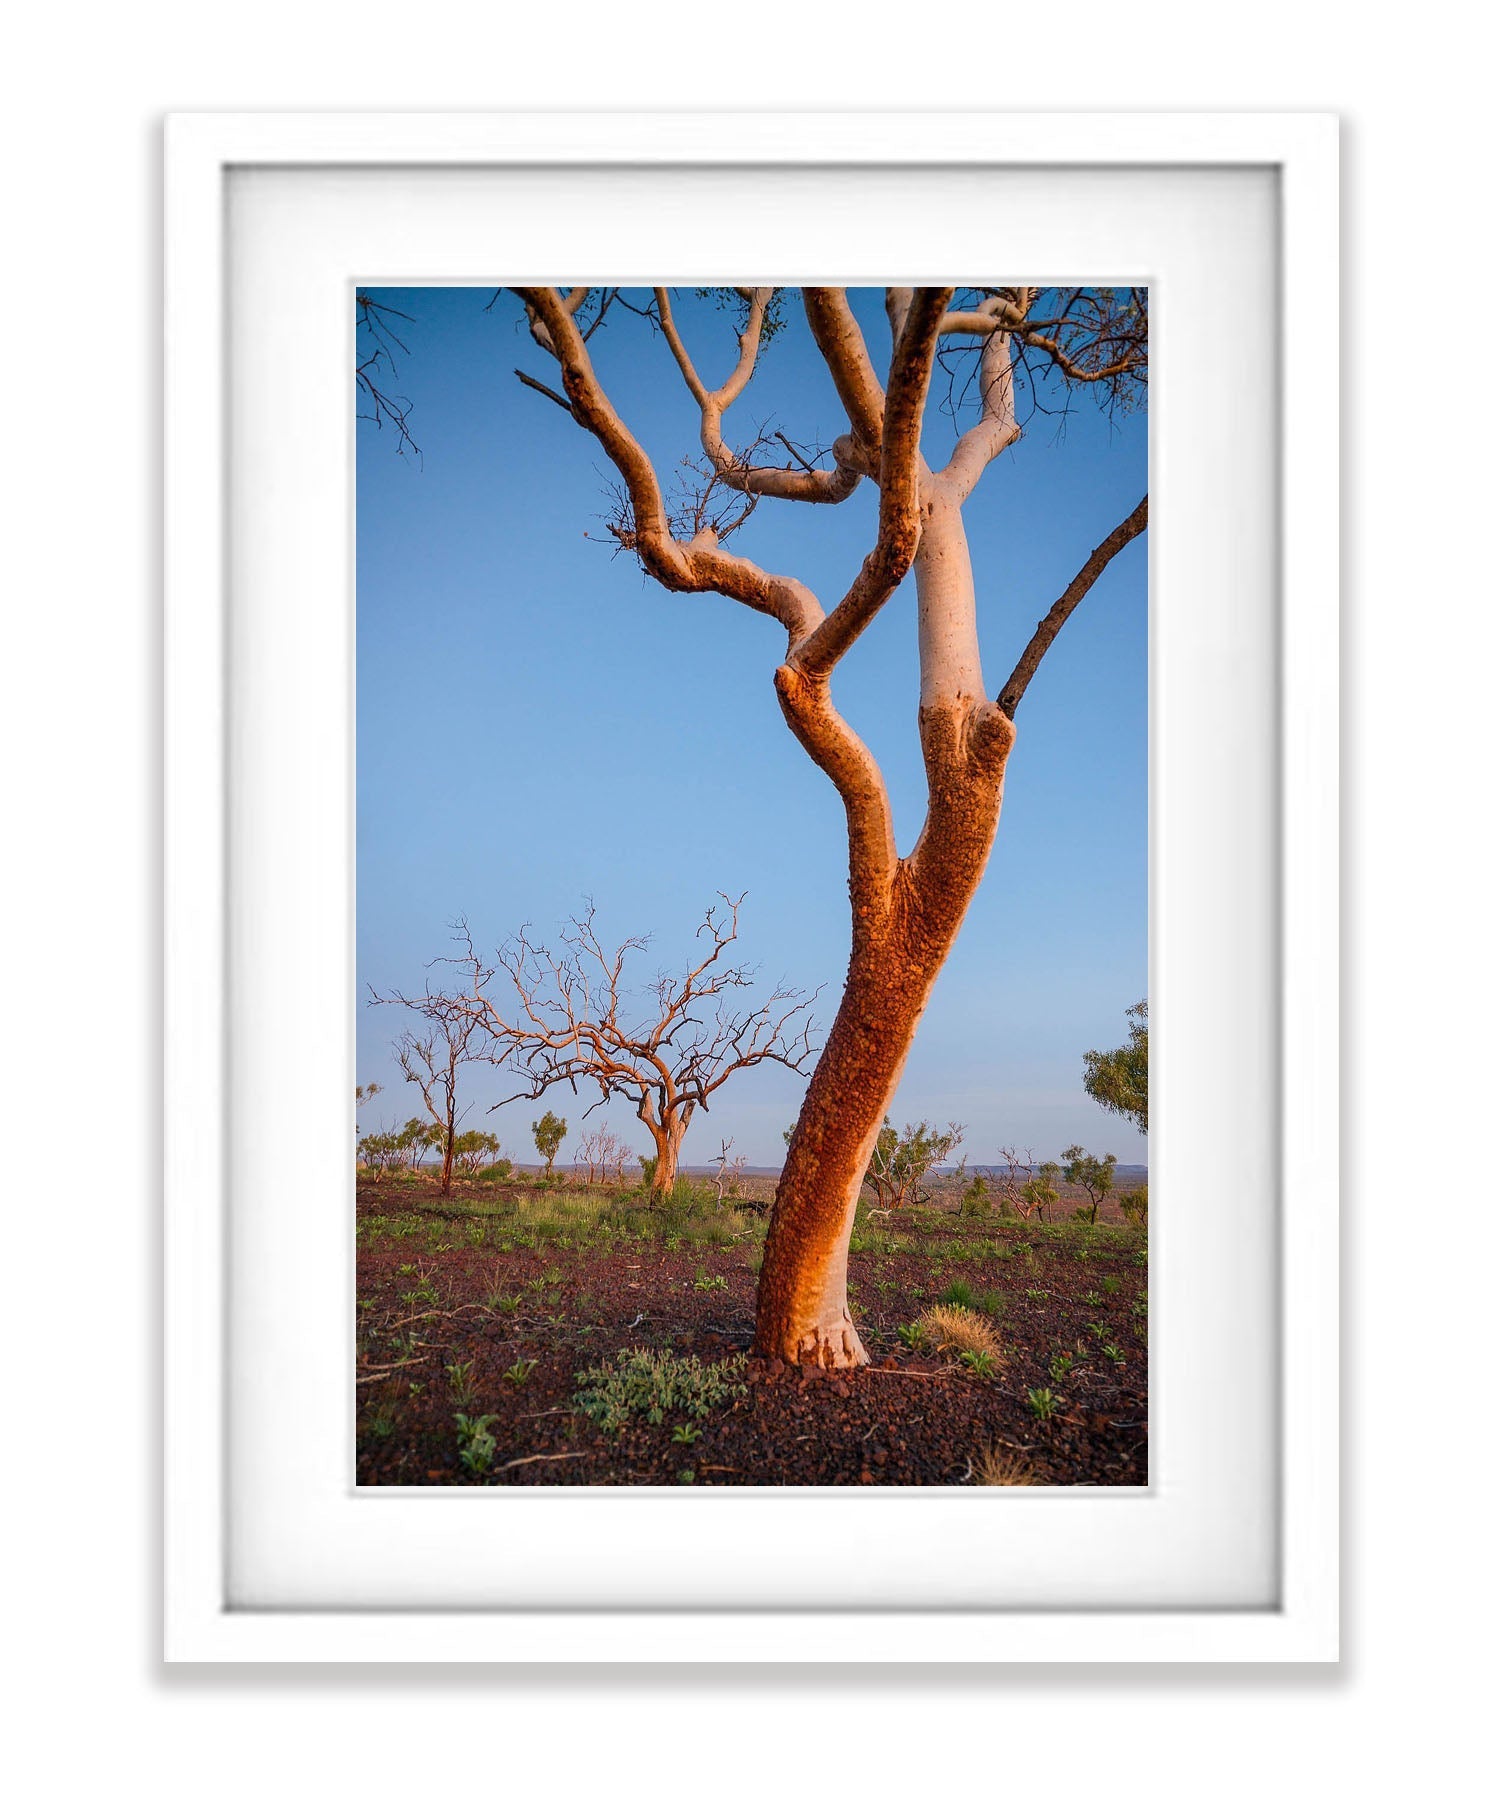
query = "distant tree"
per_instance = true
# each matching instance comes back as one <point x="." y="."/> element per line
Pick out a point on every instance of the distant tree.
<point x="1117" y="1079"/>
<point x="1019" y="1169"/>
<point x="380" y="1151"/>
<point x="727" y="1172"/>
<point x="431" y="1061"/>
<point x="474" y="1150"/>
<point x="902" y="1160"/>
<point x="1133" y="1204"/>
<point x="1095" y="1175"/>
<point x="416" y="1138"/>
<point x="1040" y="1194"/>
<point x="547" y="1133"/>
<point x="976" y="1196"/>
<point x="567" y="1018"/>
<point x="600" y="1152"/>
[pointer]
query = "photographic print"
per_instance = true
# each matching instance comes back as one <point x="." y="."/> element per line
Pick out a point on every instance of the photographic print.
<point x="751" y="908"/>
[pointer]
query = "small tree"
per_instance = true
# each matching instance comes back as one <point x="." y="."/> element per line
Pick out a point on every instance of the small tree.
<point x="902" y="1160"/>
<point x="547" y="1133"/>
<point x="431" y="1060"/>
<point x="475" y="1150"/>
<point x="565" y="1015"/>
<point x="599" y="1153"/>
<point x="1019" y="1169"/>
<point x="1133" y="1204"/>
<point x="379" y="1151"/>
<point x="1039" y="1195"/>
<point x="1117" y="1079"/>
<point x="727" y="1172"/>
<point x="1095" y="1175"/>
<point x="416" y="1138"/>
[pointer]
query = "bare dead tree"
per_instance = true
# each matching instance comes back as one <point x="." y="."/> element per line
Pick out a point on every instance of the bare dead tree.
<point x="568" y="1016"/>
<point x="600" y="1151"/>
<point x="907" y="910"/>
<point x="431" y="1061"/>
<point x="725" y="1172"/>
<point x="1018" y="1170"/>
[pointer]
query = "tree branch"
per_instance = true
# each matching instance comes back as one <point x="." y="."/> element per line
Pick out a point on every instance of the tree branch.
<point x="696" y="567"/>
<point x="1062" y="609"/>
<point x="886" y="565"/>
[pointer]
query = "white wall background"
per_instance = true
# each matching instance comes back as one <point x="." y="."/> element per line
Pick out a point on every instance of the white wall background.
<point x="91" y="1707"/>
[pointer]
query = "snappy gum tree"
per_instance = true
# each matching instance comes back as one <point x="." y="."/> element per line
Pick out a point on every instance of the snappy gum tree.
<point x="906" y="910"/>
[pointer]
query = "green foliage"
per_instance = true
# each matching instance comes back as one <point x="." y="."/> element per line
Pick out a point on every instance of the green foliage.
<point x="736" y="302"/>
<point x="416" y="1138"/>
<point x="1133" y="1205"/>
<point x="1117" y="1079"/>
<point x="1042" y="1401"/>
<point x="707" y="1284"/>
<point x="903" y="1160"/>
<point x="685" y="1434"/>
<point x="461" y="1380"/>
<point x="1039" y="1195"/>
<point x="975" y="1200"/>
<point x="547" y="1133"/>
<point x="475" y="1151"/>
<point x="913" y="1336"/>
<point x="650" y="1384"/>
<point x="518" y="1371"/>
<point x="1094" y="1174"/>
<point x="380" y="1152"/>
<point x="476" y="1446"/>
<point x="980" y="1363"/>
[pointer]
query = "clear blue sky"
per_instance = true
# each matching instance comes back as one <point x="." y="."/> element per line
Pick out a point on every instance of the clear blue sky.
<point x="539" y="722"/>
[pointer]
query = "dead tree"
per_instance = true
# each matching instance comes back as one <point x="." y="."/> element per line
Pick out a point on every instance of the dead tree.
<point x="431" y="1062"/>
<point x="566" y="1016"/>
<point x="907" y="910"/>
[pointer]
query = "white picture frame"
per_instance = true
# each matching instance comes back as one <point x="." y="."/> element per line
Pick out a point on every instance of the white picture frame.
<point x="222" y="1607"/>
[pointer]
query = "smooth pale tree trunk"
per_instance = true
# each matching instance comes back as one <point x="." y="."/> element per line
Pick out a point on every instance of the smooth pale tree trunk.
<point x="446" y="1184"/>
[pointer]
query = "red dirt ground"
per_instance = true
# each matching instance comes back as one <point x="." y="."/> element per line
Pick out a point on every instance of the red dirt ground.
<point x="475" y="1285"/>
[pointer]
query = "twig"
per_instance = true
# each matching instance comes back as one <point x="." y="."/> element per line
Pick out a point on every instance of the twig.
<point x="383" y="1369"/>
<point x="919" y="1374"/>
<point x="559" y="1456"/>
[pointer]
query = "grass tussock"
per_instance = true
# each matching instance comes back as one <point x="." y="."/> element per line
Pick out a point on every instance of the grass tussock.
<point x="957" y="1329"/>
<point x="998" y="1467"/>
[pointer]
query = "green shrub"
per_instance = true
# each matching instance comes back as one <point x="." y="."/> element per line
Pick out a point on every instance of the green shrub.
<point x="649" y="1384"/>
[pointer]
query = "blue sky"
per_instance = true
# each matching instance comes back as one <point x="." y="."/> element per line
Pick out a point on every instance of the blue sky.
<point x="539" y="722"/>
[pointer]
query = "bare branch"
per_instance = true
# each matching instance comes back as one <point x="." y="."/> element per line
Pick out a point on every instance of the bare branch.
<point x="1062" y="609"/>
<point x="695" y="567"/>
<point x="820" y="486"/>
<point x="900" y="460"/>
<point x="837" y="334"/>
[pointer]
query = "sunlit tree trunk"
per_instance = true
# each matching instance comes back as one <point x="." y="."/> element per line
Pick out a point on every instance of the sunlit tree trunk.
<point x="907" y="913"/>
<point x="667" y="1133"/>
